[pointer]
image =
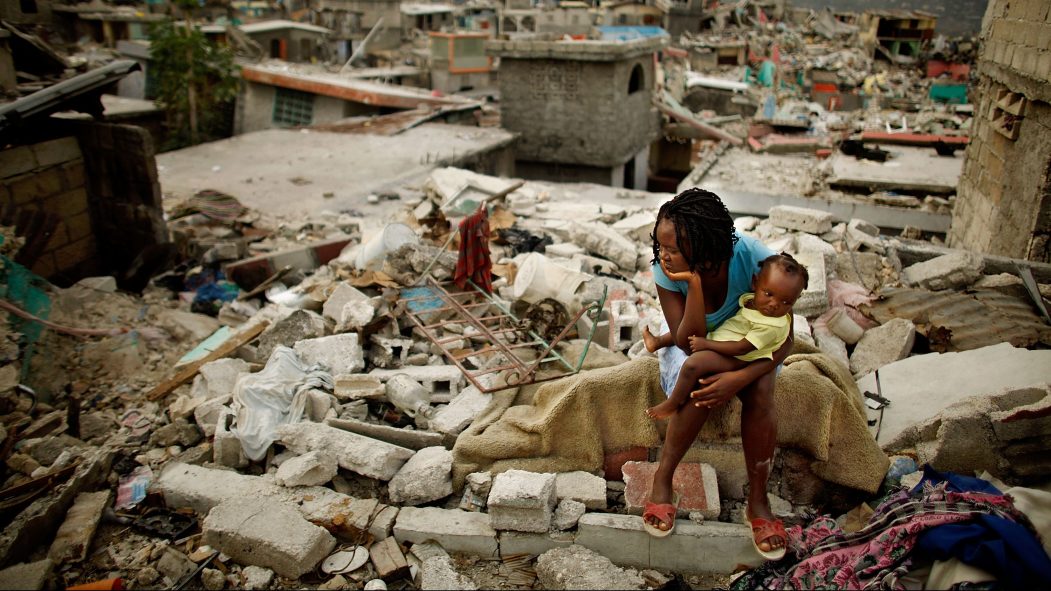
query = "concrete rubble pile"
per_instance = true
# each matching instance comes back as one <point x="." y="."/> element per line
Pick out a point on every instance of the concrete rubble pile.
<point x="332" y="429"/>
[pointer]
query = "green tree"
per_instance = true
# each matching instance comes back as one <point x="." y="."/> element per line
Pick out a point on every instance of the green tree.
<point x="196" y="81"/>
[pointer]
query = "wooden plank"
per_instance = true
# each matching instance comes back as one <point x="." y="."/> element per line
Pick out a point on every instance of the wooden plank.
<point x="388" y="559"/>
<point x="185" y="375"/>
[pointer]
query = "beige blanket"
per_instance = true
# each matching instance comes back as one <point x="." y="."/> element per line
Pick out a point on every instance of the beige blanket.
<point x="572" y="423"/>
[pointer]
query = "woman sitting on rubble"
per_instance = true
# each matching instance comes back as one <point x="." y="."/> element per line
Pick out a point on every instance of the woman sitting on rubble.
<point x="710" y="267"/>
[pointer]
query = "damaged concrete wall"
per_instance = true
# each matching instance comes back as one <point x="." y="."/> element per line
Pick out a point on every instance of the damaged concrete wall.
<point x="124" y="194"/>
<point x="43" y="191"/>
<point x="577" y="104"/>
<point x="1003" y="203"/>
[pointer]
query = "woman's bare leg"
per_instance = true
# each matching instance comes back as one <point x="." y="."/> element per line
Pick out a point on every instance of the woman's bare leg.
<point x="759" y="436"/>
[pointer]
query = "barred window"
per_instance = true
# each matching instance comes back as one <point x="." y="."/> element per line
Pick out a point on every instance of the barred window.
<point x="292" y="107"/>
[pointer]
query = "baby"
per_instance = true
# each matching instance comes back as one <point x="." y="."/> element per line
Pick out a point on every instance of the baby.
<point x="758" y="329"/>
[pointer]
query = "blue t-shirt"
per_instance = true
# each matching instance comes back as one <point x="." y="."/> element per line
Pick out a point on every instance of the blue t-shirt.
<point x="748" y="253"/>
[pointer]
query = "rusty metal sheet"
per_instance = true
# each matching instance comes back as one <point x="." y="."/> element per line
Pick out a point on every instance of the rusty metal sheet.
<point x="964" y="320"/>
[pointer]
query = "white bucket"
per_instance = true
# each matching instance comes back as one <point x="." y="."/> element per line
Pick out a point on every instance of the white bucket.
<point x="538" y="278"/>
<point x="372" y="254"/>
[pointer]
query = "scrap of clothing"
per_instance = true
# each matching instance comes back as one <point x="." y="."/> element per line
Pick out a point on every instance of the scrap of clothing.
<point x="474" y="262"/>
<point x="945" y="516"/>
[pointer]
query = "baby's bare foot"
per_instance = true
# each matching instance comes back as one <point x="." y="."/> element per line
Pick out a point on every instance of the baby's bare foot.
<point x="662" y="410"/>
<point x="651" y="342"/>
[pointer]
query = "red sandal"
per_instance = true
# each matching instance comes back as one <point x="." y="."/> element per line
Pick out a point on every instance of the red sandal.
<point x="764" y="529"/>
<point x="665" y="512"/>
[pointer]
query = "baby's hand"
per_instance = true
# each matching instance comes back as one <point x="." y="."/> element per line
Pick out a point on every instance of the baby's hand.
<point x="698" y="344"/>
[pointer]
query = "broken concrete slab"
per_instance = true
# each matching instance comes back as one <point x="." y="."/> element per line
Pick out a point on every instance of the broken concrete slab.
<point x="831" y="345"/>
<point x="915" y="397"/>
<point x="74" y="536"/>
<point x="267" y="533"/>
<point x="881" y="345"/>
<point x="697" y="485"/>
<point x="911" y="169"/>
<point x="455" y="530"/>
<point x="32" y="575"/>
<point x="297" y="326"/>
<point x="604" y="241"/>
<point x="408" y="438"/>
<point x="578" y="567"/>
<point x="706" y="547"/>
<point x="814" y="299"/>
<point x="1025" y="421"/>
<point x="256" y="577"/>
<point x="339" y="354"/>
<point x="216" y="379"/>
<point x="359" y="386"/>
<point x="950" y="271"/>
<point x="522" y="501"/>
<point x="436" y="378"/>
<point x="583" y="487"/>
<point x="567" y="513"/>
<point x="425" y="477"/>
<point x="461" y="411"/>
<point x="179" y="432"/>
<point x="438" y="573"/>
<point x="364" y="455"/>
<point x="343" y="294"/>
<point x="313" y="468"/>
<point x="812" y="221"/>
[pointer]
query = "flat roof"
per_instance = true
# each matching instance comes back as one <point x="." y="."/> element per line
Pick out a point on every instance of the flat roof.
<point x="423" y="9"/>
<point x="278" y="24"/>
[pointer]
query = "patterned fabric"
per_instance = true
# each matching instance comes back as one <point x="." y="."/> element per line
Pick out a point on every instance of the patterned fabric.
<point x="474" y="262"/>
<point x="822" y="556"/>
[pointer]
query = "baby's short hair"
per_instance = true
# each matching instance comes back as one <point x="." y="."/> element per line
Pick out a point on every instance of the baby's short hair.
<point x="788" y="264"/>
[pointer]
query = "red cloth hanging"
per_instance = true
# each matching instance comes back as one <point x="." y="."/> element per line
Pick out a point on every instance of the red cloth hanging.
<point x="474" y="262"/>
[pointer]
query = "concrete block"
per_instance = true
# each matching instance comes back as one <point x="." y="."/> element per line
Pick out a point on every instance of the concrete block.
<point x="801" y="330"/>
<point x="882" y="345"/>
<point x="54" y="152"/>
<point x="201" y="489"/>
<point x="949" y="271"/>
<point x="383" y="520"/>
<point x="697" y="485"/>
<point x="604" y="241"/>
<point x="438" y="573"/>
<point x="583" y="487"/>
<point x="567" y="514"/>
<point x="1027" y="427"/>
<point x="408" y="438"/>
<point x="75" y="534"/>
<point x="217" y="378"/>
<point x="706" y="547"/>
<point x="522" y="501"/>
<point x="455" y="530"/>
<point x="601" y="328"/>
<point x="623" y="325"/>
<point x="366" y="456"/>
<point x="831" y="345"/>
<point x="427" y="476"/>
<point x="534" y="544"/>
<point x="266" y="533"/>
<point x="863" y="226"/>
<point x="637" y="226"/>
<point x="388" y="352"/>
<point x="339" y="354"/>
<point x="344" y="294"/>
<point x="814" y="299"/>
<point x="436" y="378"/>
<point x="727" y="458"/>
<point x="577" y="567"/>
<point x="313" y="468"/>
<point x="28" y="575"/>
<point x="813" y="221"/>
<point x="359" y="386"/>
<point x="461" y="411"/>
<point x="206" y="414"/>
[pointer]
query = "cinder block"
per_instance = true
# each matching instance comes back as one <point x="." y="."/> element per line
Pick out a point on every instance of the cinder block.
<point x="583" y="487"/>
<point x="455" y="530"/>
<point x="54" y="152"/>
<point x="16" y="161"/>
<point x="692" y="548"/>
<point x="813" y="221"/>
<point x="949" y="271"/>
<point x="1023" y="428"/>
<point x="436" y="378"/>
<point x="261" y="532"/>
<point x="623" y="325"/>
<point x="339" y="353"/>
<point x="697" y="485"/>
<point x="522" y="501"/>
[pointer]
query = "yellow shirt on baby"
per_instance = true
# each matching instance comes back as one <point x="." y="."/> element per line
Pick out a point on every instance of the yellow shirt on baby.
<point x="767" y="334"/>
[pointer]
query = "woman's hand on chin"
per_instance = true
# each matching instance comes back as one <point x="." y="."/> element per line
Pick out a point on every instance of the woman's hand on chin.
<point x="686" y="275"/>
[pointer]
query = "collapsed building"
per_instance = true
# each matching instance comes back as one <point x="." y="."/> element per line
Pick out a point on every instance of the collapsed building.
<point x="245" y="363"/>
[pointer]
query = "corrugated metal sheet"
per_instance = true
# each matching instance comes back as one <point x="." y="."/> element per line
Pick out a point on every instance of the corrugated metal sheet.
<point x="961" y="321"/>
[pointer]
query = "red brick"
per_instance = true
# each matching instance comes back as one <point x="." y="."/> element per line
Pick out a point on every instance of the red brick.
<point x="614" y="462"/>
<point x="696" y="484"/>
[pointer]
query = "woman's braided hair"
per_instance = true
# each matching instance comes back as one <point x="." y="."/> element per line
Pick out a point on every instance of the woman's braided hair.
<point x="704" y="230"/>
